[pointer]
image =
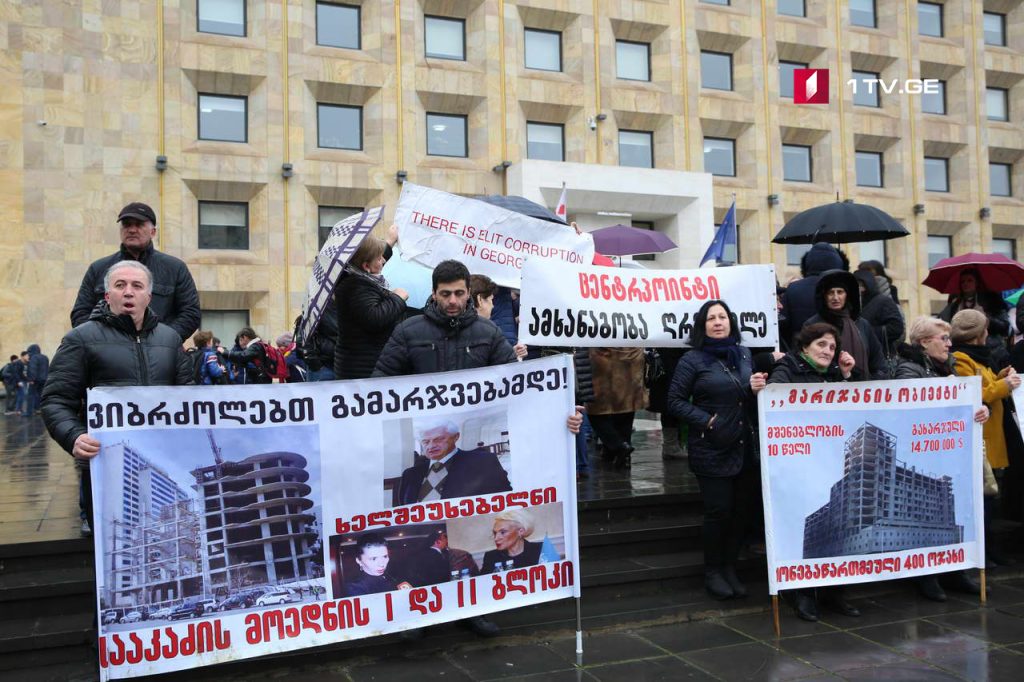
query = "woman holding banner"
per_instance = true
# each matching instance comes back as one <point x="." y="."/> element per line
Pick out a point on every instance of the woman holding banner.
<point x="817" y="358"/>
<point x="713" y="392"/>
<point x="928" y="356"/>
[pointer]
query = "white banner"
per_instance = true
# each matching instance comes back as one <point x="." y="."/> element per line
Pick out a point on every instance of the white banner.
<point x="234" y="522"/>
<point x="434" y="226"/>
<point x="602" y="306"/>
<point x="871" y="481"/>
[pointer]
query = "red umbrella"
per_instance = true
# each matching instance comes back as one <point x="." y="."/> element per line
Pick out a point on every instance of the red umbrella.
<point x="600" y="259"/>
<point x="996" y="272"/>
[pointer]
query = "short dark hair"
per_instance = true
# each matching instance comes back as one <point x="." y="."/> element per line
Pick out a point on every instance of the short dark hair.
<point x="481" y="285"/>
<point x="449" y="271"/>
<point x="370" y="540"/>
<point x="24" y="352"/>
<point x="13" y="358"/>
<point x="812" y="332"/>
<point x="247" y="332"/>
<point x="699" y="334"/>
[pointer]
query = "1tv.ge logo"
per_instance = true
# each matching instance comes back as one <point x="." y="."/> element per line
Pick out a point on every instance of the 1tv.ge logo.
<point x="810" y="86"/>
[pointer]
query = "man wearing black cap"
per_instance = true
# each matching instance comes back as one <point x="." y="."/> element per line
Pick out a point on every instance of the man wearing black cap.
<point x="175" y="299"/>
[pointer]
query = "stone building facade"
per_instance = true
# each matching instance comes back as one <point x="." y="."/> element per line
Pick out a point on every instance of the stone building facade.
<point x="106" y="102"/>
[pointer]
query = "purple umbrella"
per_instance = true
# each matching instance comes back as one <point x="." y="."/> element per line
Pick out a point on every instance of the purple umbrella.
<point x="623" y="240"/>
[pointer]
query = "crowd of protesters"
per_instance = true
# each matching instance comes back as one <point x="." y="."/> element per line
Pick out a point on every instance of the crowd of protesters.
<point x="137" y="307"/>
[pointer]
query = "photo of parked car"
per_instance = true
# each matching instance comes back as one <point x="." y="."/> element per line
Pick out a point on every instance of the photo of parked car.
<point x="239" y="600"/>
<point x="193" y="607"/>
<point x="278" y="596"/>
<point x="161" y="614"/>
<point x="132" y="617"/>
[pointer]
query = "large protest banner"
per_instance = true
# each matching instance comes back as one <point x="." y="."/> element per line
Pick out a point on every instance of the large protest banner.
<point x="564" y="305"/>
<point x="235" y="522"/>
<point x="434" y="226"/>
<point x="870" y="481"/>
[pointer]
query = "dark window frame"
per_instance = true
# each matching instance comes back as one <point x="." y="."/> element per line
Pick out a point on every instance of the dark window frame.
<point x="245" y="22"/>
<point x="1013" y="245"/>
<point x="1006" y="104"/>
<point x="561" y="128"/>
<point x="732" y="145"/>
<point x="875" y="91"/>
<point x="810" y="162"/>
<point x="949" y="241"/>
<point x="945" y="163"/>
<point x="803" y="5"/>
<point x="798" y="65"/>
<point x="885" y="253"/>
<point x="320" y="220"/>
<point x="942" y="19"/>
<point x="881" y="167"/>
<point x="720" y="3"/>
<point x="648" y="133"/>
<point x="874" y="17"/>
<point x="340" y="106"/>
<point x="633" y="42"/>
<point x="561" y="52"/>
<point x="460" y="20"/>
<point x="199" y="117"/>
<point x="359" y="23"/>
<point x="465" y="133"/>
<point x="1002" y="29"/>
<point x="731" y="87"/>
<point x="1009" y="179"/>
<point x="199" y="222"/>
<point x="945" y="108"/>
<point x="644" y="225"/>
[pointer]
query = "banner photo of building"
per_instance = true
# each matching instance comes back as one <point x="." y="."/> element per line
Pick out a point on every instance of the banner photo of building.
<point x="234" y="522"/>
<point x="562" y="305"/>
<point x="871" y="481"/>
<point x="434" y="226"/>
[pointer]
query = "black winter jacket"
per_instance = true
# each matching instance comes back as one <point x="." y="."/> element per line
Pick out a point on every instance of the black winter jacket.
<point x="367" y="314"/>
<point x="798" y="303"/>
<point x="108" y="351"/>
<point x="434" y="342"/>
<point x="38" y="365"/>
<point x="251" y="362"/>
<point x="175" y="300"/>
<point x="882" y="312"/>
<point x="702" y="388"/>
<point x="793" y="369"/>
<point x="914" y="364"/>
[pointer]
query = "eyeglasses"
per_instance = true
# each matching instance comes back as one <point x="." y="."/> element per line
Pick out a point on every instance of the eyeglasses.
<point x="944" y="338"/>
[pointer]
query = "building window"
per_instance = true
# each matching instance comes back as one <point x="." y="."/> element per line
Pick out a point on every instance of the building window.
<point x="874" y="251"/>
<point x="862" y="13"/>
<point x="329" y="217"/>
<point x="223" y="17"/>
<point x="995" y="29"/>
<point x="786" y="77"/>
<point x="223" y="117"/>
<point x="936" y="174"/>
<point x="636" y="148"/>
<point x="934" y="102"/>
<point x="866" y="92"/>
<point x="999" y="176"/>
<point x="795" y="252"/>
<point x="724" y="3"/>
<point x="445" y="38"/>
<point x="792" y="8"/>
<point x="542" y="50"/>
<point x="643" y="225"/>
<point x="939" y="247"/>
<point x="223" y="225"/>
<point x="632" y="60"/>
<point x="929" y="19"/>
<point x="224" y="323"/>
<point x="338" y="25"/>
<point x="339" y="127"/>
<point x="997" y="104"/>
<point x="796" y="162"/>
<point x="1005" y="247"/>
<point x="869" y="169"/>
<point x="720" y="156"/>
<point x="716" y="70"/>
<point x="545" y="141"/>
<point x="447" y="135"/>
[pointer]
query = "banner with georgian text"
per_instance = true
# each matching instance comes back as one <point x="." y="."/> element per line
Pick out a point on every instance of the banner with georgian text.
<point x="563" y="305"/>
<point x="234" y="522"/>
<point x="871" y="480"/>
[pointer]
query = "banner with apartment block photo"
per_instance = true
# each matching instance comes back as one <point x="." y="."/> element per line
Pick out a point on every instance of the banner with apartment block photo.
<point x="242" y="521"/>
<point x="871" y="481"/>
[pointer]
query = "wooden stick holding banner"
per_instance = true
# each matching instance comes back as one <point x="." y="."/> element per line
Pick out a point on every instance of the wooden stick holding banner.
<point x="775" y="615"/>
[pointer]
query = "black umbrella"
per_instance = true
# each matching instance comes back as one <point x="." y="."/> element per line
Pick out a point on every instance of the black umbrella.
<point x="523" y="206"/>
<point x="840" y="222"/>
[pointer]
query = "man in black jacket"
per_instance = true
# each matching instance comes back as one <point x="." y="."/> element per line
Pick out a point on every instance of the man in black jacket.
<point x="175" y="300"/>
<point x="122" y="344"/>
<point x="35" y="374"/>
<point x="251" y="359"/>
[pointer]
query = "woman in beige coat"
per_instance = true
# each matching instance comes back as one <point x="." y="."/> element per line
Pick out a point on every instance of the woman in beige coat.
<point x="619" y="392"/>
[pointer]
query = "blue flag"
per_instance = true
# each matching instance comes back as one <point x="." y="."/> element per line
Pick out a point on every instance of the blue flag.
<point x="548" y="553"/>
<point x="724" y="236"/>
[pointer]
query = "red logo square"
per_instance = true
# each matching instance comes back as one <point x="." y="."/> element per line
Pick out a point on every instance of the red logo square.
<point x="810" y="86"/>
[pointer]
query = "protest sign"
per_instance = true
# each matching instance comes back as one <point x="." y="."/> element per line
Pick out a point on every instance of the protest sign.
<point x="564" y="305"/>
<point x="870" y="481"/>
<point x="434" y="226"/>
<point x="234" y="522"/>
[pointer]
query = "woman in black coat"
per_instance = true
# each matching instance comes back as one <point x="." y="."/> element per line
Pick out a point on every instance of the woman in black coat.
<point x="367" y="311"/>
<point x="816" y="358"/>
<point x="837" y="296"/>
<point x="713" y="392"/>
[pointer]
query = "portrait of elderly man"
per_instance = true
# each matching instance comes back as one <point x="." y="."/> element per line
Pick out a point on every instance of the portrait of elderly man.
<point x="442" y="471"/>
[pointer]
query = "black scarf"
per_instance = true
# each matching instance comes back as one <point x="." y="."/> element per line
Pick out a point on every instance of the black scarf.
<point x="726" y="350"/>
<point x="980" y="354"/>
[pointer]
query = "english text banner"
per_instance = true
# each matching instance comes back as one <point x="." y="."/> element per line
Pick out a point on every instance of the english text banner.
<point x="234" y="522"/>
<point x="871" y="480"/>
<point x="564" y="305"/>
<point x="434" y="226"/>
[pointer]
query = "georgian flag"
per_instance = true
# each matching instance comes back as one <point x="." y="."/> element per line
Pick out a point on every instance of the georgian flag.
<point x="561" y="210"/>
